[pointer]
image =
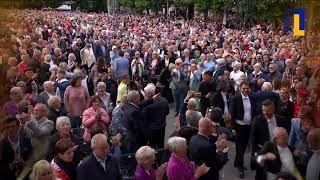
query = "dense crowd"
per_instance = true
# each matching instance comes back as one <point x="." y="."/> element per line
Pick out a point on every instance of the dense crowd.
<point x="85" y="94"/>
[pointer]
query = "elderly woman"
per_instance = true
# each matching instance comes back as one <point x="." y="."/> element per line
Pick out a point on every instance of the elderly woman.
<point x="10" y="107"/>
<point x="63" y="127"/>
<point x="236" y="74"/>
<point x="93" y="116"/>
<point x="55" y="111"/>
<point x="42" y="170"/>
<point x="76" y="100"/>
<point x="62" y="165"/>
<point x="192" y="115"/>
<point x="145" y="157"/>
<point x="116" y="125"/>
<point x="179" y="167"/>
<point x="104" y="96"/>
<point x="72" y="63"/>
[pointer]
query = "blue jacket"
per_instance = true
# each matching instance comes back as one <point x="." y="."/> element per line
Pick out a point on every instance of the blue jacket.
<point x="121" y="66"/>
<point x="62" y="87"/>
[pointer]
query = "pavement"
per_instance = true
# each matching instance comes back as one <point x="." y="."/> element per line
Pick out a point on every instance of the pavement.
<point x="229" y="172"/>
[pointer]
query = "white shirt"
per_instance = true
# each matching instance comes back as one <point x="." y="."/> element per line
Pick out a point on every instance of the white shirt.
<point x="286" y="160"/>
<point x="236" y="76"/>
<point x="272" y="124"/>
<point x="84" y="82"/>
<point x="246" y="111"/>
<point x="224" y="97"/>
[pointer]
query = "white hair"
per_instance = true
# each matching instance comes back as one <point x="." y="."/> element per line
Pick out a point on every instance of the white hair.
<point x="53" y="99"/>
<point x="101" y="84"/>
<point x="257" y="65"/>
<point x="236" y="63"/>
<point x="266" y="86"/>
<point x="150" y="88"/>
<point x="176" y="144"/>
<point x="98" y="138"/>
<point x="62" y="119"/>
<point x="72" y="56"/>
<point x="192" y="103"/>
<point x="144" y="155"/>
<point x="47" y="83"/>
<point x="53" y="67"/>
<point x="47" y="58"/>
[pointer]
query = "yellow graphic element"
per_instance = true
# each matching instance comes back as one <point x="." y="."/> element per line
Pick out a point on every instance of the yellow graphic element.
<point x="296" y="26"/>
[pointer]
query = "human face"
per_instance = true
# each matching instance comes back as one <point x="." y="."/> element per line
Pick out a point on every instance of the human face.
<point x="101" y="90"/>
<point x="14" y="95"/>
<point x="46" y="175"/>
<point x="244" y="89"/>
<point x="12" y="129"/>
<point x="206" y="77"/>
<point x="282" y="139"/>
<point x="67" y="156"/>
<point x="64" y="128"/>
<point x="267" y="111"/>
<point x="38" y="112"/>
<point x="96" y="104"/>
<point x="29" y="74"/>
<point x="101" y="150"/>
<point x="284" y="96"/>
<point x="50" y="88"/>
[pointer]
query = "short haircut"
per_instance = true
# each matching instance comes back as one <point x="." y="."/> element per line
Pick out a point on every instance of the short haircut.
<point x="97" y="139"/>
<point x="145" y="154"/>
<point x="94" y="98"/>
<point x="244" y="83"/>
<point x="268" y="102"/>
<point x="62" y="119"/>
<point x="176" y="144"/>
<point x="23" y="106"/>
<point x="266" y="86"/>
<point x="192" y="103"/>
<point x="209" y="73"/>
<point x="63" y="145"/>
<point x="53" y="99"/>
<point x="101" y="84"/>
<point x="150" y="88"/>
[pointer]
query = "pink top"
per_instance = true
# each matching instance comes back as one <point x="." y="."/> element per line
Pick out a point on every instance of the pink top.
<point x="76" y="100"/>
<point x="89" y="119"/>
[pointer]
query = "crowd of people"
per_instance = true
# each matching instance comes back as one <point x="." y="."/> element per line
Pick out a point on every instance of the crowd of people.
<point x="86" y="92"/>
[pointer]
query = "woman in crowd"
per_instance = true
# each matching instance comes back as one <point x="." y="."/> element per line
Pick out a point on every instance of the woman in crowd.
<point x="179" y="167"/>
<point x="42" y="170"/>
<point x="10" y="107"/>
<point x="76" y="100"/>
<point x="145" y="157"/>
<point x="117" y="125"/>
<point x="105" y="97"/>
<point x="93" y="116"/>
<point x="55" y="110"/>
<point x="63" y="166"/>
<point x="122" y="88"/>
<point x="63" y="131"/>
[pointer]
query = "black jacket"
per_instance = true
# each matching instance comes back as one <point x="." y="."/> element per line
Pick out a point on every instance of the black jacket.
<point x="217" y="101"/>
<point x="203" y="150"/>
<point x="260" y="131"/>
<point x="236" y="108"/>
<point x="7" y="157"/>
<point x="156" y="113"/>
<point x="134" y="121"/>
<point x="91" y="169"/>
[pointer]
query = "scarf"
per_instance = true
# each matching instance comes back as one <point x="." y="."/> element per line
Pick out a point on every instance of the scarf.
<point x="68" y="167"/>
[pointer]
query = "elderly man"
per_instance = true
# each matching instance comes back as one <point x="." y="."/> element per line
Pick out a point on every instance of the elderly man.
<point x="192" y="115"/>
<point x="134" y="121"/>
<point x="99" y="165"/>
<point x="255" y="76"/>
<point x="203" y="150"/>
<point x="262" y="131"/>
<point x="267" y="93"/>
<point x="44" y="69"/>
<point x="155" y="116"/>
<point x="276" y="156"/>
<point x="273" y="73"/>
<point x="121" y="65"/>
<point x="43" y="97"/>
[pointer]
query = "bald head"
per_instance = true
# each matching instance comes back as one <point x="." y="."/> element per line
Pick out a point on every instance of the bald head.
<point x="280" y="136"/>
<point x="99" y="145"/>
<point x="205" y="126"/>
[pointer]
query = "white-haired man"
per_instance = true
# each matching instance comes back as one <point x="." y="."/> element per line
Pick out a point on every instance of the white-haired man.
<point x="48" y="88"/>
<point x="155" y="116"/>
<point x="99" y="165"/>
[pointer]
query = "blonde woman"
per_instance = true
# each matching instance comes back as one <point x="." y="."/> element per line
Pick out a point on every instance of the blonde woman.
<point x="41" y="170"/>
